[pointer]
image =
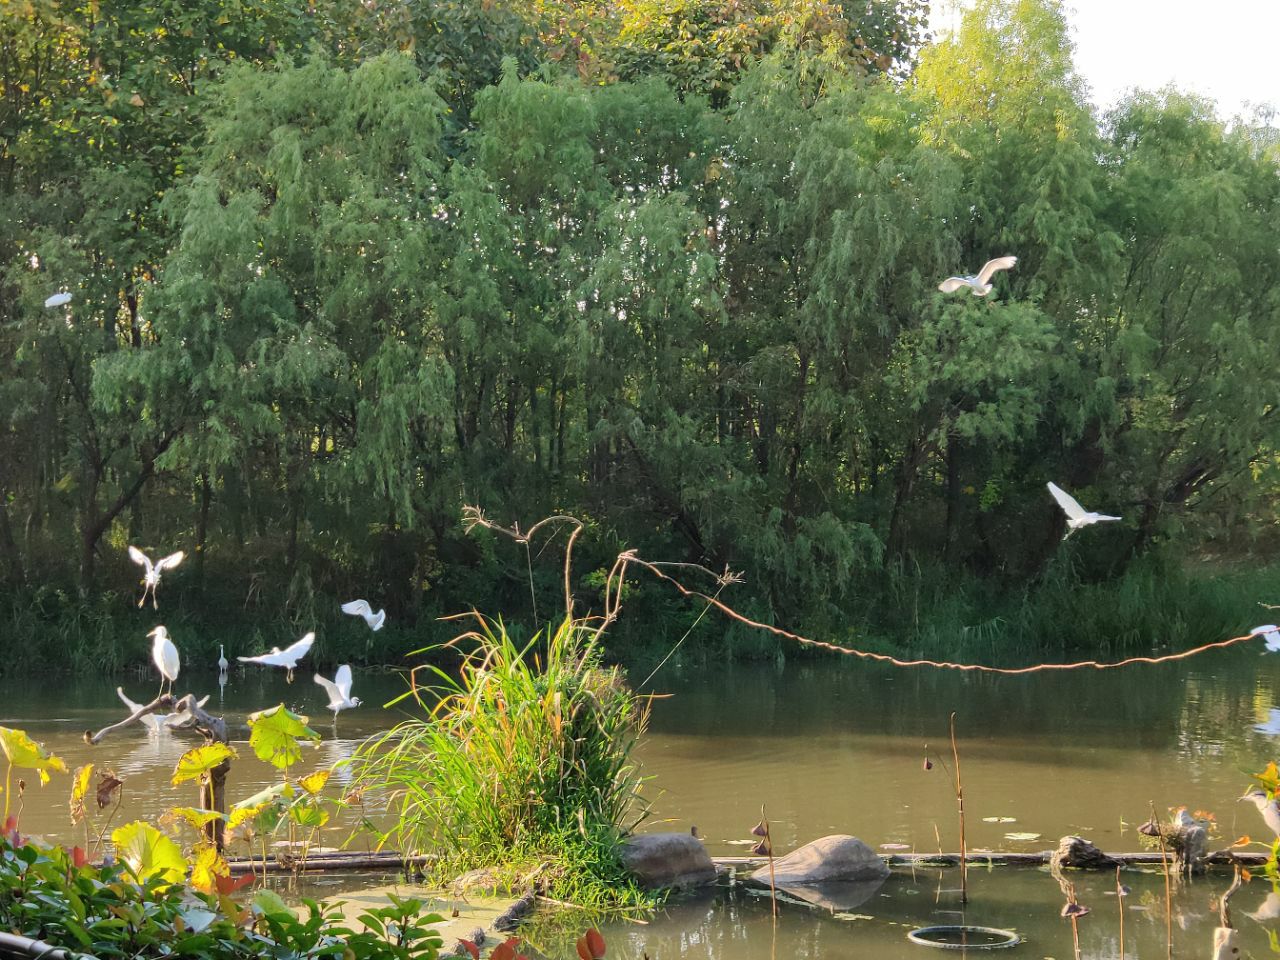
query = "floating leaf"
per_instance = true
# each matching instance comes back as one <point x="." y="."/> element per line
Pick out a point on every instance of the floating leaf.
<point x="275" y="735"/>
<point x="80" y="791"/>
<point x="1022" y="836"/>
<point x="999" y="820"/>
<point x="895" y="846"/>
<point x="148" y="852"/>
<point x="207" y="866"/>
<point x="24" y="752"/>
<point x="196" y="764"/>
<point x="313" y="783"/>
<point x="108" y="785"/>
<point x="1074" y="910"/>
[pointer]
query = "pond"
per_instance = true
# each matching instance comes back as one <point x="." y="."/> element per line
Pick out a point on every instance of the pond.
<point x="831" y="747"/>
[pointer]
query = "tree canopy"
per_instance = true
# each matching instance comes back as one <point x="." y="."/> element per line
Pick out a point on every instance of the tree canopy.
<point x="338" y="269"/>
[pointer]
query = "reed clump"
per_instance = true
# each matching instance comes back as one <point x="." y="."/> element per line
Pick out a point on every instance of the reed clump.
<point x="520" y="764"/>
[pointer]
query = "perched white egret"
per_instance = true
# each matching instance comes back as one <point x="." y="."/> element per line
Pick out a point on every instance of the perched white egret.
<point x="165" y="655"/>
<point x="57" y="300"/>
<point x="154" y="722"/>
<point x="1269" y="808"/>
<point x="980" y="283"/>
<point x="1271" y="634"/>
<point x="222" y="660"/>
<point x="151" y="571"/>
<point x="287" y="658"/>
<point x="339" y="690"/>
<point x="361" y="608"/>
<point x="1077" y="516"/>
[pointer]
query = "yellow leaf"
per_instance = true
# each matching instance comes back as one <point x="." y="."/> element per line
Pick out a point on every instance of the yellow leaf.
<point x="196" y="764"/>
<point x="313" y="783"/>
<point x="148" y="852"/>
<point x="136" y="100"/>
<point x="79" y="791"/>
<point x="22" y="751"/>
<point x="206" y="866"/>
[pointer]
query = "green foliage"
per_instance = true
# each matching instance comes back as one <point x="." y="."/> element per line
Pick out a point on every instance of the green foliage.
<point x="523" y="761"/>
<point x="148" y="853"/>
<point x="110" y="912"/>
<point x="276" y="736"/>
<point x="672" y="270"/>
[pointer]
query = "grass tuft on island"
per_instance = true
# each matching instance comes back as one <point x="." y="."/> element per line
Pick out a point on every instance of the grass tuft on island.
<point x="520" y="766"/>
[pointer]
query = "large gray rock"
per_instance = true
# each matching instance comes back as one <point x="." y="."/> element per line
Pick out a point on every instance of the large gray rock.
<point x="830" y="859"/>
<point x="668" y="860"/>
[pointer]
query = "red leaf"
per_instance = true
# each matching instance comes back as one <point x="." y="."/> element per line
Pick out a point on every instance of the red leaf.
<point x="227" y="885"/>
<point x="78" y="857"/>
<point x="505" y="950"/>
<point x="471" y="948"/>
<point x="595" y="943"/>
<point x="584" y="951"/>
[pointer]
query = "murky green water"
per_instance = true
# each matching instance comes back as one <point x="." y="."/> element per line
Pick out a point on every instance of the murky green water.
<point x="835" y="748"/>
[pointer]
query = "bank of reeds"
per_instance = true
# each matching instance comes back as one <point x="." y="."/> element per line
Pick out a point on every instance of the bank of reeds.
<point x="520" y="763"/>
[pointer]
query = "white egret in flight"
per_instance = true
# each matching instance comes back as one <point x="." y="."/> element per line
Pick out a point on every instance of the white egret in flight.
<point x="361" y="608"/>
<point x="1271" y="634"/>
<point x="1077" y="516"/>
<point x="165" y="655"/>
<point x="339" y="690"/>
<point x="151" y="571"/>
<point x="287" y="658"/>
<point x="57" y="300"/>
<point x="980" y="283"/>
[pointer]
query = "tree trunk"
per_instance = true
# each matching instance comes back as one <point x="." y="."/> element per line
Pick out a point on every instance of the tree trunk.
<point x="213" y="796"/>
<point x="202" y="530"/>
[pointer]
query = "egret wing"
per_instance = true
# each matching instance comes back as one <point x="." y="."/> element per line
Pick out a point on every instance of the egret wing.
<point x="952" y="284"/>
<point x="1068" y="503"/>
<point x="358" y="608"/>
<point x="140" y="558"/>
<point x="171" y="561"/>
<point x="342" y="681"/>
<point x="262" y="658"/>
<point x="991" y="266"/>
<point x="379" y="619"/>
<point x="133" y="707"/>
<point x="296" y="651"/>
<point x="335" y="694"/>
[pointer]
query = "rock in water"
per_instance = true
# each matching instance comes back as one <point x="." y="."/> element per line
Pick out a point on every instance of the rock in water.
<point x="1079" y="853"/>
<point x="826" y="860"/>
<point x="667" y="860"/>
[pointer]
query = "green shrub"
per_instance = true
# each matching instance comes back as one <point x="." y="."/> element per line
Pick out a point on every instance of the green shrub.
<point x="521" y="764"/>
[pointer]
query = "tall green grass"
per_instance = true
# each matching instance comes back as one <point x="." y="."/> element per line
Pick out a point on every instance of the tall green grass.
<point x="521" y="763"/>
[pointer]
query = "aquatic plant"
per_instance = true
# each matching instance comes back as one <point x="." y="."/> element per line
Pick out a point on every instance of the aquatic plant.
<point x="521" y="762"/>
<point x="23" y="752"/>
<point x="765" y="849"/>
<point x="137" y="907"/>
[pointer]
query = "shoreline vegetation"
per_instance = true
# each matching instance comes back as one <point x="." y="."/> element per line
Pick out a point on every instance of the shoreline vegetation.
<point x="677" y="275"/>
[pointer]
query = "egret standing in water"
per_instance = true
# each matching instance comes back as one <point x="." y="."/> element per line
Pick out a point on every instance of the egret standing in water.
<point x="287" y="658"/>
<point x="151" y="572"/>
<point x="361" y="608"/>
<point x="165" y="655"/>
<point x="339" y="690"/>
<point x="980" y="283"/>
<point x="1077" y="516"/>
<point x="222" y="660"/>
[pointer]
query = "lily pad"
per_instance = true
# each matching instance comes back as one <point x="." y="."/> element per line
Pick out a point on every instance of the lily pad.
<point x="1022" y="836"/>
<point x="895" y="846"/>
<point x="999" y="820"/>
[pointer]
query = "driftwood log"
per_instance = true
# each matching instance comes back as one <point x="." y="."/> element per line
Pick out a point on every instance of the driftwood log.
<point x="187" y="714"/>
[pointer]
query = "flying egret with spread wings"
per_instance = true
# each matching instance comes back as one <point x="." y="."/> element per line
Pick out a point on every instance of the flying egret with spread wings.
<point x="1077" y="516"/>
<point x="287" y="658"/>
<point x="154" y="722"/>
<point x="1271" y="634"/>
<point x="339" y="690"/>
<point x="980" y="283"/>
<point x="165" y="655"/>
<point x="151" y="571"/>
<point x="361" y="608"/>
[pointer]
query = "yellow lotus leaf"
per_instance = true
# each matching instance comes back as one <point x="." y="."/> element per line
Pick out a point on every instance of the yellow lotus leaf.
<point x="275" y="735"/>
<point x="24" y="752"/>
<point x="80" y="791"/>
<point x="207" y="866"/>
<point x="313" y="783"/>
<point x="148" y="852"/>
<point x="196" y="764"/>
